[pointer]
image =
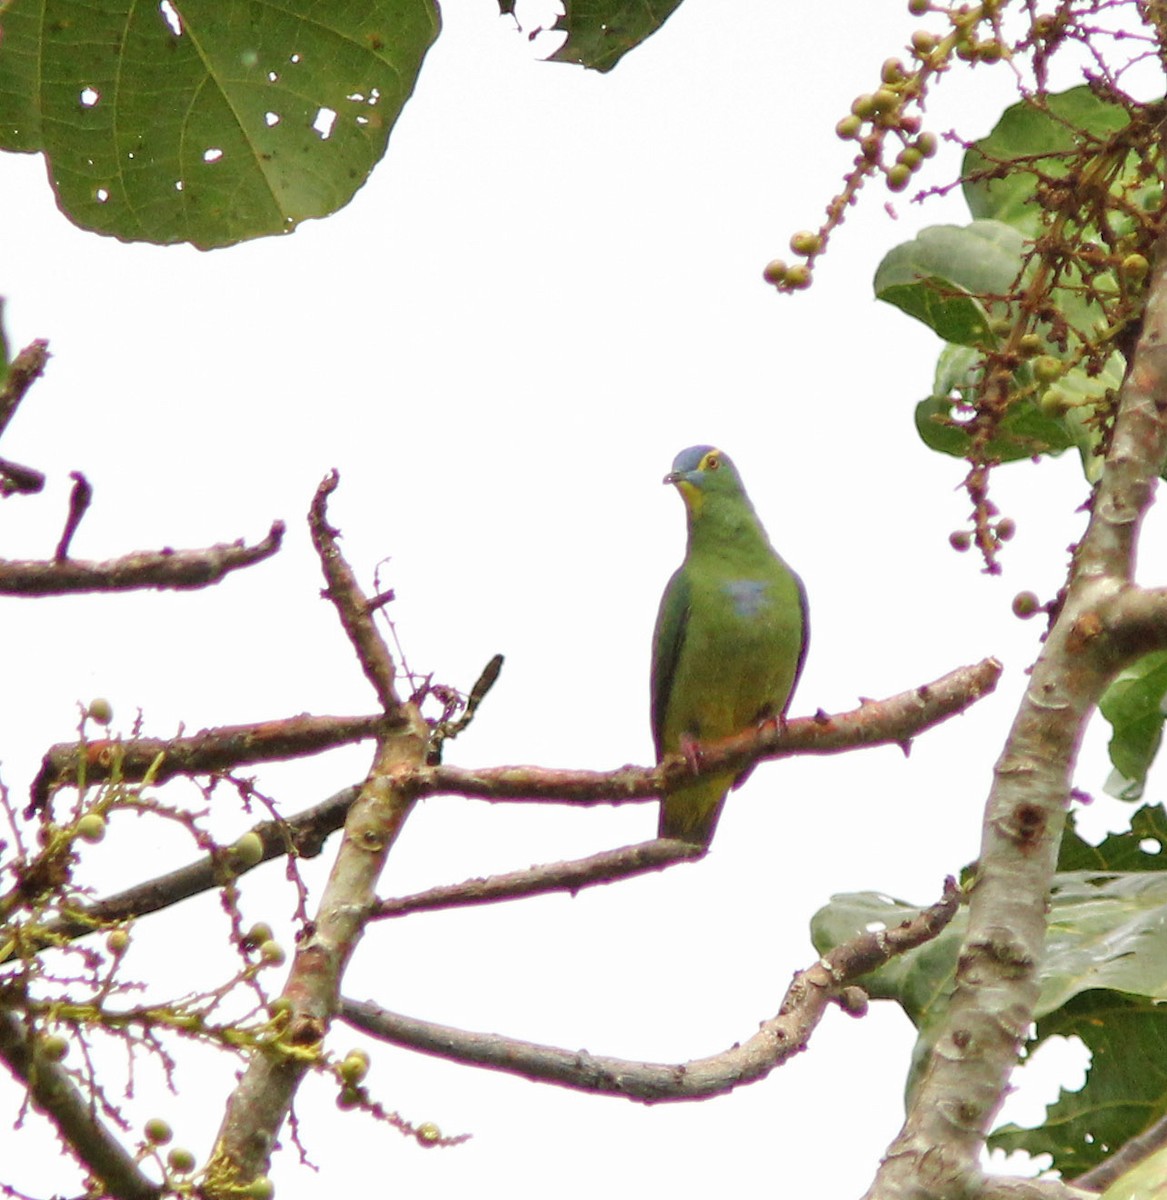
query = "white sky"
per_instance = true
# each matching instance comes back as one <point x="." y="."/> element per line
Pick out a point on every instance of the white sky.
<point x="551" y="285"/>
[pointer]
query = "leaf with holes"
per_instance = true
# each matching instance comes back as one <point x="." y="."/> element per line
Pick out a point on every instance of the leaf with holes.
<point x="1143" y="847"/>
<point x="207" y="121"/>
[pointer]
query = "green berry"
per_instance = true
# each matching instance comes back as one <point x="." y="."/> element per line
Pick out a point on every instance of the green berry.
<point x="157" y="1131"/>
<point x="247" y="851"/>
<point x="775" y="272"/>
<point x="260" y="1188"/>
<point x="798" y="276"/>
<point x="348" y="1098"/>
<point x="918" y="7"/>
<point x="885" y="101"/>
<point x="54" y="1047"/>
<point x="923" y="43"/>
<point x="1029" y="344"/>
<point x="898" y="177"/>
<point x="91" y="827"/>
<point x="926" y="144"/>
<point x="892" y="71"/>
<point x="259" y="933"/>
<point x="429" y="1134"/>
<point x="806" y="243"/>
<point x="181" y="1161"/>
<point x="864" y="106"/>
<point x="848" y="128"/>
<point x="272" y="954"/>
<point x="960" y="540"/>
<point x="910" y="157"/>
<point x="1135" y="266"/>
<point x="354" y="1067"/>
<point x="1046" y="368"/>
<point x="1056" y="401"/>
<point x="100" y="711"/>
<point x="1025" y="604"/>
<point x="117" y="942"/>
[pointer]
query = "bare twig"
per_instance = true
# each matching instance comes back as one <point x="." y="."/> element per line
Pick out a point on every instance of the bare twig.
<point x="352" y="607"/>
<point x="605" y="867"/>
<point x="26" y="367"/>
<point x="15" y="477"/>
<point x="56" y="1095"/>
<point x="177" y="569"/>
<point x="776" y="1040"/>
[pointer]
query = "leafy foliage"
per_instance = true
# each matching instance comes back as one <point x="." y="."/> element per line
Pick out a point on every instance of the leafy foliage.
<point x="601" y="32"/>
<point x="207" y="121"/>
<point x="1143" y="847"/>
<point x="1104" y="980"/>
<point x="1133" y="704"/>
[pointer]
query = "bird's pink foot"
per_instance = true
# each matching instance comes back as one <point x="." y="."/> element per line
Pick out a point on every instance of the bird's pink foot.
<point x="691" y="749"/>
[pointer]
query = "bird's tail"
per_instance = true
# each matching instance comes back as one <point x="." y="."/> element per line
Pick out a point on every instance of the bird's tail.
<point x="690" y="814"/>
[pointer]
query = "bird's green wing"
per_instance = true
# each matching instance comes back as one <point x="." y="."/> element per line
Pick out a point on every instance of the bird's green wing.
<point x="667" y="640"/>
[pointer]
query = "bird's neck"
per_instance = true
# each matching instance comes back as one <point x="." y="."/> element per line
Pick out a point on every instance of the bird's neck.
<point x="727" y="531"/>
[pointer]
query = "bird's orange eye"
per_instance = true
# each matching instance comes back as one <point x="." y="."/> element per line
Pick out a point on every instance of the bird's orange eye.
<point x="712" y="462"/>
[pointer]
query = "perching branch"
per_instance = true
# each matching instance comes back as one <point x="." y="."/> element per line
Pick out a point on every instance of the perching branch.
<point x="937" y="1152"/>
<point x="606" y="867"/>
<point x="174" y="569"/>
<point x="776" y="1040"/>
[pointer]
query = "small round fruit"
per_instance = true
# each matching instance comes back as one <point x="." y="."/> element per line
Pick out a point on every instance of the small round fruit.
<point x="806" y="243"/>
<point x="1056" y="401"/>
<point x="100" y="711"/>
<point x="247" y="851"/>
<point x="910" y="157"/>
<point x="255" y="937"/>
<point x="885" y="100"/>
<point x="54" y="1047"/>
<point x="354" y="1067"/>
<point x="1135" y="266"/>
<point x="158" y="1131"/>
<point x="1025" y="605"/>
<point x="347" y="1098"/>
<point x="181" y="1161"/>
<point x="923" y="42"/>
<point x="960" y="540"/>
<point x="260" y="1188"/>
<point x="798" y="276"/>
<point x="775" y="272"/>
<point x="429" y="1134"/>
<point x="898" y="177"/>
<point x="848" y="128"/>
<point x="1006" y="528"/>
<point x="926" y="144"/>
<point x="1046" y="368"/>
<point x="91" y="827"/>
<point x="918" y="7"/>
<point x="117" y="942"/>
<point x="892" y="71"/>
<point x="272" y="954"/>
<point x="1029" y="344"/>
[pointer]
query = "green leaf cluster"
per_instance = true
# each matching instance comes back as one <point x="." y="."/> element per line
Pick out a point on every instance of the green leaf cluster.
<point x="1030" y="307"/>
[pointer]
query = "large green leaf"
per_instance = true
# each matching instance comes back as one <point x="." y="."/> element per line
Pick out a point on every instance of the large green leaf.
<point x="1104" y="977"/>
<point x="208" y="121"/>
<point x="601" y="32"/>
<point x="1034" y="132"/>
<point x="1133" y="704"/>
<point x="938" y="276"/>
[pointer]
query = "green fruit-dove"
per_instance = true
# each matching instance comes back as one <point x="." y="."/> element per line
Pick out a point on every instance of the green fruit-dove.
<point x="730" y="636"/>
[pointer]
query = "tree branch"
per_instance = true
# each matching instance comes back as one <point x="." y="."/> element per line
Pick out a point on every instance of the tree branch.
<point x="606" y="867"/>
<point x="777" y="1039"/>
<point x="175" y="569"/>
<point x="203" y="753"/>
<point x="55" y="1094"/>
<point x="937" y="1152"/>
<point x="23" y="371"/>
<point x="1125" y="1158"/>
<point x="263" y="1098"/>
